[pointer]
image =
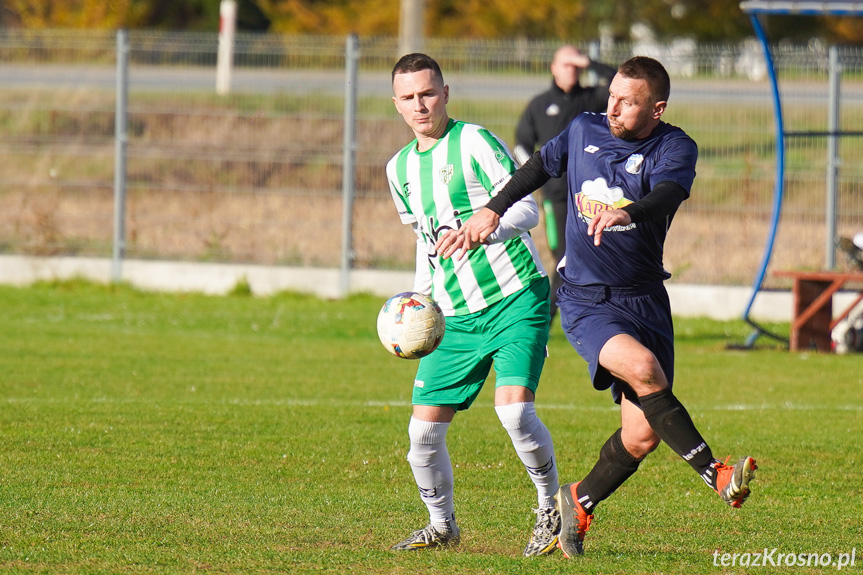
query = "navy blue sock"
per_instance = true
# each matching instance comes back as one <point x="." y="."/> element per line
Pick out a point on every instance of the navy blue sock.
<point x="615" y="466"/>
<point x="671" y="422"/>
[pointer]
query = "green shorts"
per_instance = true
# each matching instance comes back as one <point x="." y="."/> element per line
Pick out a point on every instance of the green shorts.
<point x="511" y="333"/>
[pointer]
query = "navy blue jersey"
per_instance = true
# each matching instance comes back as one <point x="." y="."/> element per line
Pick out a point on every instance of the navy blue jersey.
<point x="603" y="173"/>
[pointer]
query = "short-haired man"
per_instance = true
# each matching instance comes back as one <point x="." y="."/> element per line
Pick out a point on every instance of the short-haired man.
<point x="627" y="173"/>
<point x="545" y="116"/>
<point x="495" y="301"/>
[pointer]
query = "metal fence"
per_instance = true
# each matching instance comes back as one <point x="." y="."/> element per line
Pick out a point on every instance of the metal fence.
<point x="256" y="176"/>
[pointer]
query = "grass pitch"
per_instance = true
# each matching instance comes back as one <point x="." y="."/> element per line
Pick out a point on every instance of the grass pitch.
<point x="182" y="433"/>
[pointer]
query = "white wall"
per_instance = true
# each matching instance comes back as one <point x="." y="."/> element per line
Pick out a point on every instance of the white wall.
<point x="717" y="302"/>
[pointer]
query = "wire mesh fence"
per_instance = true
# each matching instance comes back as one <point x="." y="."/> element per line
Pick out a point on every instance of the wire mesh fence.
<point x="255" y="176"/>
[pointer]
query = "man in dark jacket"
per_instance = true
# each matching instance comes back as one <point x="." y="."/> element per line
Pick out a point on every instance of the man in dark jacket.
<point x="544" y="118"/>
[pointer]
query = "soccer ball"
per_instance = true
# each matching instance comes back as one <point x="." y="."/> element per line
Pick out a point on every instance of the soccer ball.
<point x="411" y="325"/>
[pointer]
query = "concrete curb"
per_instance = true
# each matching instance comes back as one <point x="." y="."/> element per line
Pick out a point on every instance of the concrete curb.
<point x="716" y="302"/>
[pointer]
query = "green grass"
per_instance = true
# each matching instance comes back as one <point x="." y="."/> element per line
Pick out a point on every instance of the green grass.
<point x="182" y="433"/>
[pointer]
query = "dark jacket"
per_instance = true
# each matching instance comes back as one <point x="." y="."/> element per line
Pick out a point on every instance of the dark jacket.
<point x="550" y="112"/>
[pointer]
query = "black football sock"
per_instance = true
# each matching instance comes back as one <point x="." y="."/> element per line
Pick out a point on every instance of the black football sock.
<point x="615" y="466"/>
<point x="671" y="422"/>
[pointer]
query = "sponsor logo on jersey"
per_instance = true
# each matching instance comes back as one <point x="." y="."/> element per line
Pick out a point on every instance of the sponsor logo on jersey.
<point x="419" y="383"/>
<point x="633" y="163"/>
<point x="499" y="184"/>
<point x="595" y="197"/>
<point x="431" y="234"/>
<point x="552" y="110"/>
<point x="500" y="156"/>
<point x="591" y="149"/>
<point x="446" y="173"/>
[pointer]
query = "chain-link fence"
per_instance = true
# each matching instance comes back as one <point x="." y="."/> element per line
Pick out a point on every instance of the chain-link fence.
<point x="256" y="176"/>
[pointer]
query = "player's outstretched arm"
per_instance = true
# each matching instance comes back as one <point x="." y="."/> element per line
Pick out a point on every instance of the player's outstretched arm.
<point x="662" y="201"/>
<point x="473" y="233"/>
<point x="478" y="227"/>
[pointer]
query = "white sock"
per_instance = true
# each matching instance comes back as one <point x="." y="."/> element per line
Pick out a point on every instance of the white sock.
<point x="532" y="442"/>
<point x="432" y="469"/>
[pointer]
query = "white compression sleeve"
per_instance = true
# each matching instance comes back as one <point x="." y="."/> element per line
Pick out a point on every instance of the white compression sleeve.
<point x="432" y="468"/>
<point x="532" y="442"/>
<point x="521" y="217"/>
<point x="422" y="276"/>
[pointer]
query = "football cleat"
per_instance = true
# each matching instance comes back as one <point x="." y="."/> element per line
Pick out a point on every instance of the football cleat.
<point x="543" y="540"/>
<point x="430" y="536"/>
<point x="732" y="482"/>
<point x="574" y="521"/>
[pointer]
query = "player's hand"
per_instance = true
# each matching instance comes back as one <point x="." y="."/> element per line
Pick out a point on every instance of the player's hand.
<point x="473" y="233"/>
<point x="451" y="242"/>
<point x="606" y="219"/>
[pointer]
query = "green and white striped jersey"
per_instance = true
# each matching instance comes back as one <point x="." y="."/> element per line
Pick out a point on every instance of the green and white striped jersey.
<point x="435" y="191"/>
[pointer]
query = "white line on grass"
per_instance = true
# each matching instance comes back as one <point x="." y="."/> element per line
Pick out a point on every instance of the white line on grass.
<point x="788" y="406"/>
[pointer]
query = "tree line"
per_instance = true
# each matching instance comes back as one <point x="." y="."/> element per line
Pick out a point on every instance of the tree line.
<point x="573" y="20"/>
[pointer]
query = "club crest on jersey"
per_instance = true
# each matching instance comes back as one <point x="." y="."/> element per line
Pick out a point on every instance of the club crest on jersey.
<point x="406" y="189"/>
<point x="446" y="173"/>
<point x="633" y="163"/>
<point x="552" y="110"/>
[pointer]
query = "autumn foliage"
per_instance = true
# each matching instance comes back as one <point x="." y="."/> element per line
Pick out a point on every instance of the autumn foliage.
<point x="574" y="20"/>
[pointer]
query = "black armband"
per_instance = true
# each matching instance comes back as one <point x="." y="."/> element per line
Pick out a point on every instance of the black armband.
<point x="524" y="181"/>
<point x="660" y="202"/>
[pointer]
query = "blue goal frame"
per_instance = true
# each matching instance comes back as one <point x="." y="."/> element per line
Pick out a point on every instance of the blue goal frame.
<point x="755" y="9"/>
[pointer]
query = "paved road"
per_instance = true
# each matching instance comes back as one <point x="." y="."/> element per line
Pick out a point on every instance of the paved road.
<point x="256" y="81"/>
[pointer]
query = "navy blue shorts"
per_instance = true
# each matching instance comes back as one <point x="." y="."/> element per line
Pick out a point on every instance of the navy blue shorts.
<point x="590" y="316"/>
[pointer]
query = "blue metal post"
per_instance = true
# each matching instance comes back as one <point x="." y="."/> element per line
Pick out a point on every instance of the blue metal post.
<point x="779" y="187"/>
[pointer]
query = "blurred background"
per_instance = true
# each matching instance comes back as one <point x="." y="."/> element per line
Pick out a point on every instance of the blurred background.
<point x="254" y="172"/>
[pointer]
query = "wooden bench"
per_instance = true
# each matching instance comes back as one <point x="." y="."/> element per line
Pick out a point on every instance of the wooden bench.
<point x="812" y="318"/>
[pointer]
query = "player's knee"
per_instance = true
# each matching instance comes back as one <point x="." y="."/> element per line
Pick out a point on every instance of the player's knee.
<point x="516" y="415"/>
<point x="519" y="420"/>
<point x="645" y="374"/>
<point x="427" y="437"/>
<point x="645" y="447"/>
<point x="641" y="446"/>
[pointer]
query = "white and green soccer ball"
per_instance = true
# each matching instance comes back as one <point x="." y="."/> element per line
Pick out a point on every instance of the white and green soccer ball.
<point x="411" y="325"/>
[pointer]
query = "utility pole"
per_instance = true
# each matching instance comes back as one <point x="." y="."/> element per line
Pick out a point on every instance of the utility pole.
<point x="411" y="26"/>
<point x="121" y="141"/>
<point x="225" y="55"/>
